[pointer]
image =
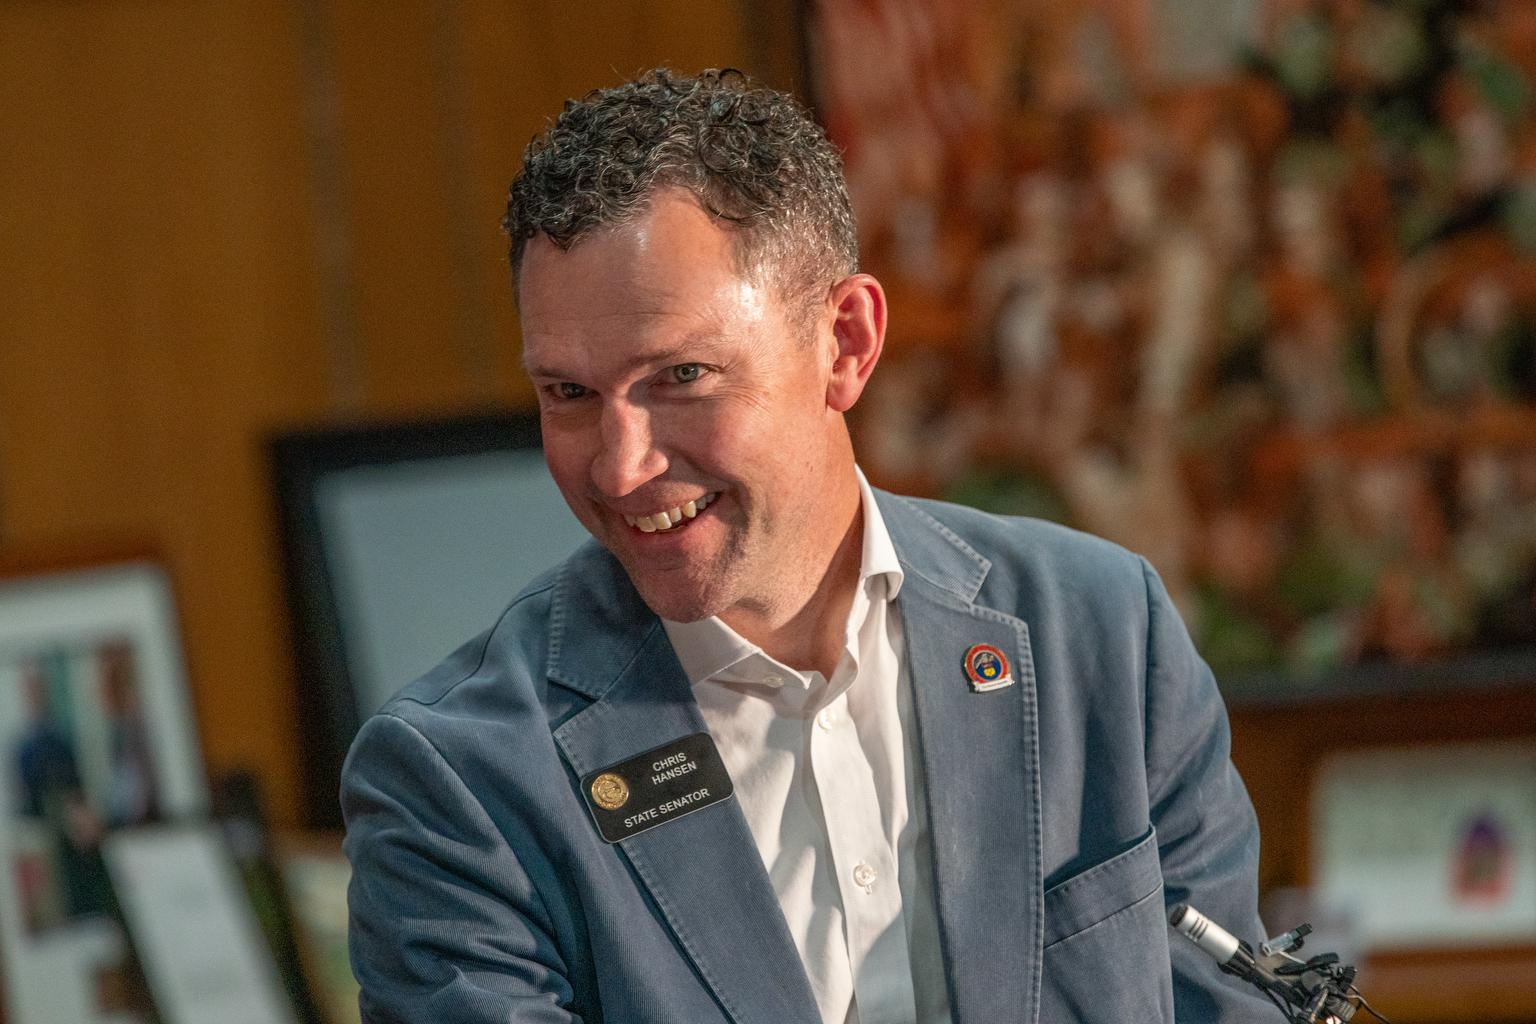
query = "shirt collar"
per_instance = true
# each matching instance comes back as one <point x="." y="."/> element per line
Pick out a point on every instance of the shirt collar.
<point x="880" y="561"/>
<point x="708" y="647"/>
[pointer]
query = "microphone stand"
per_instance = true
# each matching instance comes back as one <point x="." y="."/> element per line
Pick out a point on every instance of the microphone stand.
<point x="1319" y="990"/>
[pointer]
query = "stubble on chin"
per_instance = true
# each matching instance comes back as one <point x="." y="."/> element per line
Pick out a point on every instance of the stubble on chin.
<point x="688" y="591"/>
<point x="677" y="604"/>
<point x="681" y="593"/>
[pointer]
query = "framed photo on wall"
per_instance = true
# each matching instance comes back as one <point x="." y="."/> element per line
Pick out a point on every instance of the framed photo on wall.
<point x="96" y="734"/>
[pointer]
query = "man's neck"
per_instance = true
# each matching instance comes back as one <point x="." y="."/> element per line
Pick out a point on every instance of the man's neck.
<point x="811" y="636"/>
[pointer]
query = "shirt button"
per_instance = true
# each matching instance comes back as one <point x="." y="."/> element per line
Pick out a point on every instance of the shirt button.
<point x="826" y="718"/>
<point x="773" y="680"/>
<point x="864" y="876"/>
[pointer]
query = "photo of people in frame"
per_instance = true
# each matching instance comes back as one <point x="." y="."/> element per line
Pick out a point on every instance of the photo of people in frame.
<point x="78" y="763"/>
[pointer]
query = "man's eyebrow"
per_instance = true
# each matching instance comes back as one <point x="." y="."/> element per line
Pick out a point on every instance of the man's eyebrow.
<point x="690" y="347"/>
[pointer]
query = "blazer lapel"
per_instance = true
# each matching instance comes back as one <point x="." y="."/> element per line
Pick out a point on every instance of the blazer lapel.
<point x="980" y="761"/>
<point x="703" y="869"/>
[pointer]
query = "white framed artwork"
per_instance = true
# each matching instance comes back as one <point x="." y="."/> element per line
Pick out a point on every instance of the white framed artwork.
<point x="96" y="734"/>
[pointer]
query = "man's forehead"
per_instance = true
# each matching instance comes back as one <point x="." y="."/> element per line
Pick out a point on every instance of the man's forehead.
<point x="672" y="226"/>
<point x="610" y="278"/>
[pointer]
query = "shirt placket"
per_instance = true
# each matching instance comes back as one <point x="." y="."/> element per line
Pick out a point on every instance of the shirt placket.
<point x="863" y="861"/>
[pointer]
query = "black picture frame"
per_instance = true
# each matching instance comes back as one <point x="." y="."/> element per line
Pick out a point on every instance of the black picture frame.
<point x="301" y="460"/>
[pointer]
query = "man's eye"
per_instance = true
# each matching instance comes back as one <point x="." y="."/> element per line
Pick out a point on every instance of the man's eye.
<point x="687" y="373"/>
<point x="565" y="389"/>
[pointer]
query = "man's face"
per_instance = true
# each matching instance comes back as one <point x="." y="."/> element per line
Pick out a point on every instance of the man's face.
<point x="673" y="390"/>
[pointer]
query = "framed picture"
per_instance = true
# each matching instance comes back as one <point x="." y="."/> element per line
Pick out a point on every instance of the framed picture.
<point x="193" y="928"/>
<point x="400" y="542"/>
<point x="97" y="734"/>
<point x="1429" y="846"/>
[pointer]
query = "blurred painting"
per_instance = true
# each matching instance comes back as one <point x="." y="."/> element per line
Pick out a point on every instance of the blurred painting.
<point x="1249" y="288"/>
<point x="95" y="736"/>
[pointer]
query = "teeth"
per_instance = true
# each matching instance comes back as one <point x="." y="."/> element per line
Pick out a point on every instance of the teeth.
<point x="666" y="519"/>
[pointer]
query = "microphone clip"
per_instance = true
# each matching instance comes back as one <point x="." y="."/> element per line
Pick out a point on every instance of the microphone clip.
<point x="1290" y="942"/>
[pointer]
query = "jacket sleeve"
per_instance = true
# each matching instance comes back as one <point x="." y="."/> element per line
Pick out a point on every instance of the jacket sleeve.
<point x="1208" y="837"/>
<point x="445" y="923"/>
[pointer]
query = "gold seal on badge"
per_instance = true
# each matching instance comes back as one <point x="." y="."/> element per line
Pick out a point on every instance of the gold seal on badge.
<point x="609" y="791"/>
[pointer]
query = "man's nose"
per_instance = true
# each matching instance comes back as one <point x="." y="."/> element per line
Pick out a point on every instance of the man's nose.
<point x="629" y="455"/>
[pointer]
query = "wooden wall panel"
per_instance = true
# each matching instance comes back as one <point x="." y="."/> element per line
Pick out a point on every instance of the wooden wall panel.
<point x="509" y="98"/>
<point x="437" y="102"/>
<point x="159" y="316"/>
<point x="393" y="159"/>
<point x="163" y="299"/>
<point x="427" y="195"/>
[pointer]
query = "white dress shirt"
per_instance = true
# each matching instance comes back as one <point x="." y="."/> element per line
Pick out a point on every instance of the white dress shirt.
<point x="825" y="778"/>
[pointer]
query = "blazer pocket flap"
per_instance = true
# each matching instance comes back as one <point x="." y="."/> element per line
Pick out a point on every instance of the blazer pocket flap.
<point x="1103" y="890"/>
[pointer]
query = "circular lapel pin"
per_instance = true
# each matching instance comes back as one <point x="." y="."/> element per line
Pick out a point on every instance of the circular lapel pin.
<point x="987" y="668"/>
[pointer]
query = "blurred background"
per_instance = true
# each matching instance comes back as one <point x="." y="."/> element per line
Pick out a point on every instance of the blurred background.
<point x="1248" y="286"/>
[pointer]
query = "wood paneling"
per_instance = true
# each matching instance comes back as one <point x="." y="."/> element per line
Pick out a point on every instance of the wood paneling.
<point x="163" y="305"/>
<point x="158" y="316"/>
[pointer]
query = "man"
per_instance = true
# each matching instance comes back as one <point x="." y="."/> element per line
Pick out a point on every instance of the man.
<point x="777" y="747"/>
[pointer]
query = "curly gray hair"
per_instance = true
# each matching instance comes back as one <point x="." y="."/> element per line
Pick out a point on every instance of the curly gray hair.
<point x="751" y="156"/>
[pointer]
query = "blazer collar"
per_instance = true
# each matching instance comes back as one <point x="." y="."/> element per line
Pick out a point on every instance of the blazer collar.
<point x="931" y="550"/>
<point x="980" y="756"/>
<point x="597" y="623"/>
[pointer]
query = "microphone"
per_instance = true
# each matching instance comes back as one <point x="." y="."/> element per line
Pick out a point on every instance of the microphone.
<point x="1307" y="992"/>
<point x="1230" y="952"/>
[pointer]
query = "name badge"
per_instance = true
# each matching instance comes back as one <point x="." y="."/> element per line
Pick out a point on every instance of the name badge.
<point x="656" y="787"/>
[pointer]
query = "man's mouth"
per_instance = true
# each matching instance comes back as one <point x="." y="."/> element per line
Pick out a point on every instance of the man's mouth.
<point x="671" y="518"/>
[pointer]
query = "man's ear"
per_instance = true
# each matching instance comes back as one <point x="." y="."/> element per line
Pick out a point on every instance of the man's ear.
<point x="858" y="328"/>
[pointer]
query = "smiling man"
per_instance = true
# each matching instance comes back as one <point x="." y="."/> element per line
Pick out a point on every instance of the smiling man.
<point x="693" y="419"/>
<point x="777" y="746"/>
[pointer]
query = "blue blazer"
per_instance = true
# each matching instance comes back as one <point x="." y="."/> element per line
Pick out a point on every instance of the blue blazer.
<point x="1067" y="810"/>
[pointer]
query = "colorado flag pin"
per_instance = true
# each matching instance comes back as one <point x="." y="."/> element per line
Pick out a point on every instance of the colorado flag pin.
<point x="987" y="668"/>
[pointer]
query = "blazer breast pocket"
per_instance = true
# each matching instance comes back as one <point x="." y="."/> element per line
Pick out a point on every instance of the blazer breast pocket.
<point x="1106" y="942"/>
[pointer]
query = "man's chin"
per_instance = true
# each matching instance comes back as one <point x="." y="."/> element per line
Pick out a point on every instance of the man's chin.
<point x="678" y="609"/>
<point x="677" y="604"/>
<point x="679" y="588"/>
